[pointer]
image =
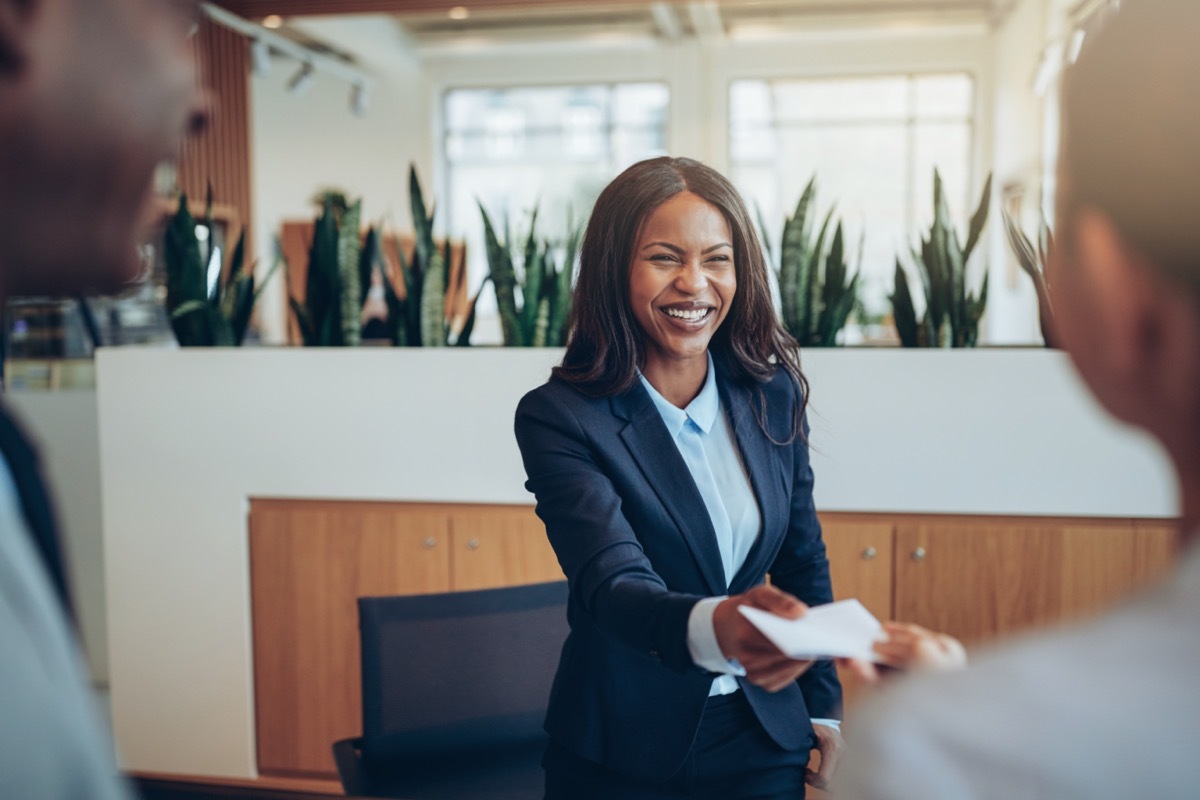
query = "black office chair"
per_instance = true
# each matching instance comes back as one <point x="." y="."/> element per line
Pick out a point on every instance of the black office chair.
<point x="454" y="692"/>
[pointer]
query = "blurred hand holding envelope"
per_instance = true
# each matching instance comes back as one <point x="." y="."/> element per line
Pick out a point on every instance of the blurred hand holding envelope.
<point x="844" y="629"/>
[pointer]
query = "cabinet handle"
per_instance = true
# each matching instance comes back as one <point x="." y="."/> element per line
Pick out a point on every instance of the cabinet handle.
<point x="429" y="543"/>
<point x="868" y="554"/>
<point x="472" y="544"/>
<point x="918" y="554"/>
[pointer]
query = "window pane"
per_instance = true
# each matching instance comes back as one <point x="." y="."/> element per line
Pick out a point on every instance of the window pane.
<point x="871" y="142"/>
<point x="550" y="147"/>
<point x="841" y="99"/>
<point x="944" y="95"/>
<point x="946" y="146"/>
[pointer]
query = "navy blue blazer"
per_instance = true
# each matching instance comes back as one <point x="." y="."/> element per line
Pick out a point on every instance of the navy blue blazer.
<point x="638" y="548"/>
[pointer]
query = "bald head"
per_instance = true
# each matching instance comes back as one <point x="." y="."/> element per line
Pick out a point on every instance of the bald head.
<point x="1131" y="131"/>
<point x="94" y="94"/>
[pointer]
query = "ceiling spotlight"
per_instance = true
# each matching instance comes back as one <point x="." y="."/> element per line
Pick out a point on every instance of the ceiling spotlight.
<point x="260" y="57"/>
<point x="302" y="80"/>
<point x="360" y="99"/>
<point x="273" y="21"/>
<point x="459" y="12"/>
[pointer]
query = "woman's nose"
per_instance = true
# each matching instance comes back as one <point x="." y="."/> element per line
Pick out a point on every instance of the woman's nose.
<point x="691" y="279"/>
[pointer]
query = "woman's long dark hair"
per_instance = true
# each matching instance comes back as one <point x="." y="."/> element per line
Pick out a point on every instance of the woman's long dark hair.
<point x="605" y="343"/>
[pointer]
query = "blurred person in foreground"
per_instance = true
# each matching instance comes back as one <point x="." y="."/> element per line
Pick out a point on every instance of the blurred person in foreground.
<point x="94" y="94"/>
<point x="1108" y="709"/>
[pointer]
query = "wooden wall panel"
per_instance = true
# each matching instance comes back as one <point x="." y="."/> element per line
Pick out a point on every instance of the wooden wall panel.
<point x="220" y="155"/>
<point x="1155" y="547"/>
<point x="309" y="562"/>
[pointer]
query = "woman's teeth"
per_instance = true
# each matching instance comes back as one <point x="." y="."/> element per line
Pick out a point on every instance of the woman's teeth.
<point x="691" y="315"/>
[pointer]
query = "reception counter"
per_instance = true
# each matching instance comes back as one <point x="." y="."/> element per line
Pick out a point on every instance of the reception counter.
<point x="188" y="439"/>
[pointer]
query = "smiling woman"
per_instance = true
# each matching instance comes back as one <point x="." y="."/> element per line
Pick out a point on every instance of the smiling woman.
<point x="671" y="471"/>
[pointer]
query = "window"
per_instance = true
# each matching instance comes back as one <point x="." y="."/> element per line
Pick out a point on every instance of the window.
<point x="553" y="147"/>
<point x="872" y="143"/>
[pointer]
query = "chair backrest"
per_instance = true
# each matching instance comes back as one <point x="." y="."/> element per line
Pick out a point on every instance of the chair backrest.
<point x="446" y="673"/>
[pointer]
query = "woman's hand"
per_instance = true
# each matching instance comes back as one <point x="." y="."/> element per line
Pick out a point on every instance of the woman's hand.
<point x="740" y="641"/>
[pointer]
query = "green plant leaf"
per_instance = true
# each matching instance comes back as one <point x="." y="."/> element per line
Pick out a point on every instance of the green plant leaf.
<point x="979" y="219"/>
<point x="304" y="321"/>
<point x="793" y="263"/>
<point x="322" y="297"/>
<point x="504" y="281"/>
<point x="464" y="336"/>
<point x="349" y="253"/>
<point x="433" y="301"/>
<point x="811" y="270"/>
<point x="903" y="312"/>
<point x="185" y="276"/>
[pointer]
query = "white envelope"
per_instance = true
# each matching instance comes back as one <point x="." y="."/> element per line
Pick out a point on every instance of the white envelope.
<point x="844" y="629"/>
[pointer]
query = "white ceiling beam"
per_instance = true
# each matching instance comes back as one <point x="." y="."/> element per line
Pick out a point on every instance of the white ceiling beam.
<point x="667" y="21"/>
<point x="706" y="20"/>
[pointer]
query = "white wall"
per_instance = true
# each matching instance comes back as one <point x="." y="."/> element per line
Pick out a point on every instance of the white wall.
<point x="1017" y="124"/>
<point x="187" y="437"/>
<point x="303" y="144"/>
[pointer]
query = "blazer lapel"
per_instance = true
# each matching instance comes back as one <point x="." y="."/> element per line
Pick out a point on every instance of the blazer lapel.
<point x="658" y="457"/>
<point x="25" y="470"/>
<point x="764" y="464"/>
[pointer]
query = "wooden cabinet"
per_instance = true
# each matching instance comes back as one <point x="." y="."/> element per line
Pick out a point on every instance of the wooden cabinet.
<point x="981" y="578"/>
<point x="311" y="560"/>
<point x="973" y="577"/>
<point x="860" y="550"/>
<point x="497" y="546"/>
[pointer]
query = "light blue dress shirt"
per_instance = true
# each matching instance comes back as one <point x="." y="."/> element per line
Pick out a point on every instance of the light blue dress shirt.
<point x="705" y="440"/>
<point x="702" y="433"/>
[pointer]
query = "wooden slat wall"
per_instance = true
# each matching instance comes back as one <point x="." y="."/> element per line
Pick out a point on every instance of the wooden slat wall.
<point x="221" y="154"/>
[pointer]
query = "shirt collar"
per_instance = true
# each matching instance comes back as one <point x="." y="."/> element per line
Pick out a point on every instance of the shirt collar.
<point x="702" y="410"/>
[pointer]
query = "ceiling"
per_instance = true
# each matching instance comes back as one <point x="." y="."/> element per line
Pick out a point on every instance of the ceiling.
<point x="678" y="20"/>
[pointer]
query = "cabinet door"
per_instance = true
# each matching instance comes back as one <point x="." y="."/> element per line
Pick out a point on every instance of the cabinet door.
<point x="309" y="562"/>
<point x="494" y="546"/>
<point x="860" y="550"/>
<point x="979" y="579"/>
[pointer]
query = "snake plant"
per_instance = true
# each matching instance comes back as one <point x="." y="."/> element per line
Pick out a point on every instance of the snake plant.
<point x="418" y="318"/>
<point x="206" y="310"/>
<point x="952" y="312"/>
<point x="1034" y="263"/>
<point x="336" y="286"/>
<point x="816" y="291"/>
<point x="544" y="280"/>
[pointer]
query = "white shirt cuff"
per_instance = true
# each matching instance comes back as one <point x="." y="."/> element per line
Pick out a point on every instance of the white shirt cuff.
<point x="702" y="639"/>
<point x="836" y="724"/>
